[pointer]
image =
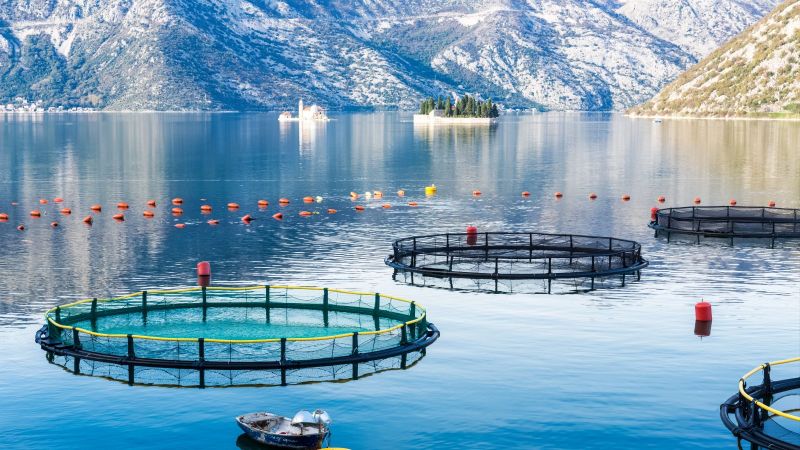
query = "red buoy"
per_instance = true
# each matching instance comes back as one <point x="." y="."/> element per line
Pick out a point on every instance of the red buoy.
<point x="661" y="199"/>
<point x="118" y="217"/>
<point x="247" y="218"/>
<point x="472" y="235"/>
<point x="21" y="227"/>
<point x="58" y="200"/>
<point x="96" y="208"/>
<point x="359" y="208"/>
<point x="526" y="194"/>
<point x="283" y="201"/>
<point x="43" y="201"/>
<point x="213" y="222"/>
<point x="233" y="206"/>
<point x="149" y="214"/>
<point x="697" y="200"/>
<point x="54" y="224"/>
<point x="772" y="203"/>
<point x="626" y="197"/>
<point x="66" y="211"/>
<point x="305" y="213"/>
<point x="559" y="194"/>
<point x="472" y="229"/>
<point x="592" y="196"/>
<point x="332" y="211"/>
<point x="263" y="203"/>
<point x="277" y="216"/>
<point x="88" y="220"/>
<point x="653" y="214"/>
<point x="122" y="205"/>
<point x="732" y="202"/>
<point x="204" y="269"/>
<point x="476" y="193"/>
<point x="702" y="328"/>
<point x="177" y="211"/>
<point x="413" y="204"/>
<point x="180" y="225"/>
<point x="702" y="312"/>
<point x="3" y="217"/>
<point x="177" y="201"/>
<point x="151" y="203"/>
<point x="308" y="199"/>
<point x="36" y="213"/>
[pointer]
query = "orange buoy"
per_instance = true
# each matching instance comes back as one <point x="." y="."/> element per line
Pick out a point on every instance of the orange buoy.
<point x="353" y="195"/>
<point x="177" y="211"/>
<point x="205" y="208"/>
<point x="305" y="213"/>
<point x="526" y="194"/>
<point x="592" y="196"/>
<point x="702" y="312"/>
<point x="401" y="193"/>
<point x="732" y="202"/>
<point x="3" y="217"/>
<point x="413" y="204"/>
<point x="233" y="206"/>
<point x="626" y="197"/>
<point x="305" y="200"/>
<point x="147" y="213"/>
<point x="21" y="227"/>
<point x="58" y="200"/>
<point x="697" y="200"/>
<point x="213" y="222"/>
<point x="359" y="208"/>
<point x="151" y="203"/>
<point x="53" y="224"/>
<point x="653" y="214"/>
<point x="177" y="201"/>
<point x="377" y="194"/>
<point x="277" y="216"/>
<point x="36" y="213"/>
<point x="119" y="217"/>
<point x="559" y="194"/>
<point x="122" y="205"/>
<point x="332" y="211"/>
<point x="476" y="193"/>
<point x="772" y="203"/>
<point x="66" y="211"/>
<point x="386" y="206"/>
<point x="247" y="218"/>
<point x="263" y="203"/>
<point x="285" y="201"/>
<point x="661" y="199"/>
<point x="96" y="208"/>
<point x="88" y="220"/>
<point x="180" y="225"/>
<point x="43" y="201"/>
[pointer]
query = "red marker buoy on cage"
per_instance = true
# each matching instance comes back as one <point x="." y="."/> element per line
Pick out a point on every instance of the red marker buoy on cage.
<point x="653" y="214"/>
<point x="702" y="312"/>
<point x="203" y="273"/>
<point x="472" y="235"/>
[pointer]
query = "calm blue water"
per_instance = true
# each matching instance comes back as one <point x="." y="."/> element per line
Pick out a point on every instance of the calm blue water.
<point x="614" y="368"/>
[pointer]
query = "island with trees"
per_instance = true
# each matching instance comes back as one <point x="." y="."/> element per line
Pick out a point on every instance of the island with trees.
<point x="465" y="110"/>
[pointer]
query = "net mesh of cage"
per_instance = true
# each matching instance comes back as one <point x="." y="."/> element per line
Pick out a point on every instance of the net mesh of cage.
<point x="516" y="262"/>
<point x="729" y="221"/>
<point x="129" y="337"/>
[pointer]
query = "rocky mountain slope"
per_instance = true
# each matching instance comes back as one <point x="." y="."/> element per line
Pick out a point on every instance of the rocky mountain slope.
<point x="757" y="73"/>
<point x="265" y="54"/>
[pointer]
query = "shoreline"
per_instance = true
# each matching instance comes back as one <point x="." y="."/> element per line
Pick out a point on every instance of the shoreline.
<point x="795" y="118"/>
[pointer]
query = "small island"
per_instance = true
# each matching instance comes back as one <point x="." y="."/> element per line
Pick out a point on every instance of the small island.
<point x="465" y="110"/>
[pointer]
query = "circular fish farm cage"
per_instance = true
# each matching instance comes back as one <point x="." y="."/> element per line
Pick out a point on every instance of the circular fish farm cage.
<point x="728" y="222"/>
<point x="766" y="415"/>
<point x="513" y="262"/>
<point x="233" y="336"/>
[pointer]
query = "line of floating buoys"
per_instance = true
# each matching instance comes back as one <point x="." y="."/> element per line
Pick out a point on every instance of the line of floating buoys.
<point x="43" y="201"/>
<point x="177" y="201"/>
<point x="122" y="205"/>
<point x="213" y="222"/>
<point x="625" y="197"/>
<point x="21" y="227"/>
<point x="66" y="211"/>
<point x="180" y="225"/>
<point x="147" y="213"/>
<point x="177" y="211"/>
<point x="118" y="217"/>
<point x="263" y="203"/>
<point x="305" y="213"/>
<point x="36" y="213"/>
<point x="476" y="193"/>
<point x="359" y="208"/>
<point x="277" y="216"/>
<point x="332" y="211"/>
<point x="151" y="203"/>
<point x="592" y="196"/>
<point x="732" y="202"/>
<point x="386" y="206"/>
<point x="88" y="220"/>
<point x="558" y="194"/>
<point x="661" y="199"/>
<point x="3" y="217"/>
<point x="233" y="205"/>
<point x="413" y="204"/>
<point x="526" y="194"/>
<point x="697" y="200"/>
<point x="307" y="199"/>
<point x="205" y="209"/>
<point x="283" y="201"/>
<point x="54" y="224"/>
<point x="58" y="200"/>
<point x="771" y="203"/>
<point x="247" y="218"/>
<point x="401" y="193"/>
<point x="96" y="208"/>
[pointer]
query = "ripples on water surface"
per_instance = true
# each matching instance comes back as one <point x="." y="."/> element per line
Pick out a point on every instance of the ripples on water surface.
<point x="609" y="368"/>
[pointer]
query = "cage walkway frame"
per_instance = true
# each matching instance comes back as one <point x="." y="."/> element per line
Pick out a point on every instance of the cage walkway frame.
<point x="728" y="222"/>
<point x="413" y="334"/>
<point x="745" y="413"/>
<point x="516" y="256"/>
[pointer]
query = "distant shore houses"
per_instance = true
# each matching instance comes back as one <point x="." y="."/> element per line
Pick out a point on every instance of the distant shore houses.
<point x="313" y="112"/>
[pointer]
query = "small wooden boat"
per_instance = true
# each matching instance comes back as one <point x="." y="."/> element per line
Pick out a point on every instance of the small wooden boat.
<point x="305" y="430"/>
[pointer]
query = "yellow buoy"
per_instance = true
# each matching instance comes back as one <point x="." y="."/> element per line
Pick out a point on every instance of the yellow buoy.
<point x="430" y="190"/>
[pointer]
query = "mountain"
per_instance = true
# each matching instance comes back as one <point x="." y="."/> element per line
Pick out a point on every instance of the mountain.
<point x="755" y="74"/>
<point x="266" y="54"/>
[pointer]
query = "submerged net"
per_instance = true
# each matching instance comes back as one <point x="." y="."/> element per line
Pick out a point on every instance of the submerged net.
<point x="503" y="261"/>
<point x="204" y="332"/>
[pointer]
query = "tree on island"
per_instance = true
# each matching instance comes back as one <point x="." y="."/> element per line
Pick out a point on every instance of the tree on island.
<point x="465" y="107"/>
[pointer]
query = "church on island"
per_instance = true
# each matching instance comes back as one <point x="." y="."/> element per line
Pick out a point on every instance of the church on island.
<point x="313" y="112"/>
